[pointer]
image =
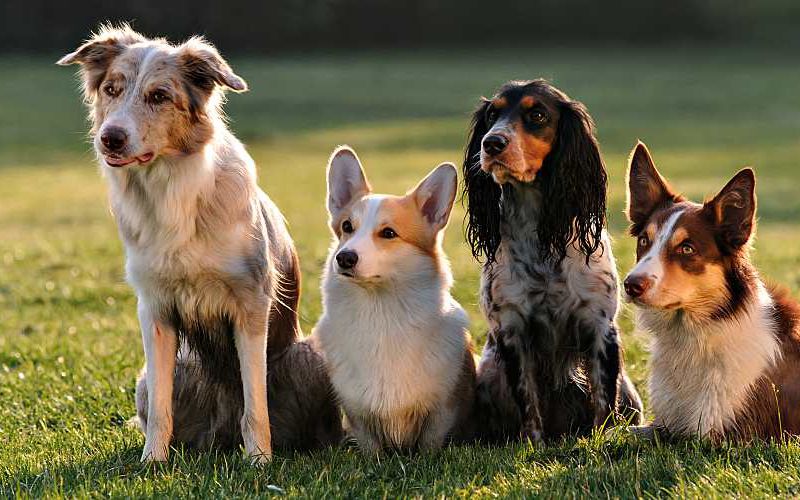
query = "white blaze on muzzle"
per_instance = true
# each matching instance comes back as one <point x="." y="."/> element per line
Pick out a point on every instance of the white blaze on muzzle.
<point x="651" y="265"/>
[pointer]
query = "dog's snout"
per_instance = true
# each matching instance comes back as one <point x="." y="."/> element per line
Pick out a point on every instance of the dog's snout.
<point x="347" y="259"/>
<point x="636" y="286"/>
<point x="114" y="138"/>
<point x="494" y="144"/>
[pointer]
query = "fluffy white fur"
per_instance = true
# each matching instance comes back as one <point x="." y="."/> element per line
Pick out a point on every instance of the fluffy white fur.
<point x="394" y="339"/>
<point x="393" y="352"/>
<point x="701" y="373"/>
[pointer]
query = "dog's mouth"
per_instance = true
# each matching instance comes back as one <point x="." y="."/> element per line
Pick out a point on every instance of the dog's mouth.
<point x="116" y="161"/>
<point x="352" y="277"/>
<point x="649" y="305"/>
<point x="502" y="172"/>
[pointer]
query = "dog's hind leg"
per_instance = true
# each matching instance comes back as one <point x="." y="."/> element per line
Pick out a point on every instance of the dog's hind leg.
<point x="251" y="348"/>
<point x="160" y="350"/>
<point x="204" y="414"/>
<point x="630" y="407"/>
<point x="302" y="405"/>
<point x="605" y="367"/>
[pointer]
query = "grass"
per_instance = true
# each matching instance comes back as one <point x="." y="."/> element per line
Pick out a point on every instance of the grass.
<point x="69" y="341"/>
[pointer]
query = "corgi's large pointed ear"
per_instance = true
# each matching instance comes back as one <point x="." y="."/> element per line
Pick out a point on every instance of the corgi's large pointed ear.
<point x="435" y="194"/>
<point x="204" y="67"/>
<point x="647" y="190"/>
<point x="733" y="210"/>
<point x="96" y="55"/>
<point x="346" y="179"/>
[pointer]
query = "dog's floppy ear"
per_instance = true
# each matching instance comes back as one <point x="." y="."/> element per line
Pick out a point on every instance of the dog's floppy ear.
<point x="573" y="179"/>
<point x="647" y="189"/>
<point x="346" y="179"/>
<point x="204" y="68"/>
<point x="96" y="55"/>
<point x="434" y="195"/>
<point x="481" y="193"/>
<point x="733" y="211"/>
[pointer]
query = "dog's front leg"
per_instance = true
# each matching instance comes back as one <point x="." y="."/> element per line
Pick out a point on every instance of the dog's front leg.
<point x="605" y="368"/>
<point x="160" y="350"/>
<point x="251" y="347"/>
<point x="520" y="367"/>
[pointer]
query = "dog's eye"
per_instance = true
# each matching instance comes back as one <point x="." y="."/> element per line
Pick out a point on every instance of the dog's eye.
<point x="491" y="115"/>
<point x="347" y="227"/>
<point x="158" y="97"/>
<point x="537" y="116"/>
<point x="388" y="233"/>
<point x="686" y="249"/>
<point x="643" y="241"/>
<point x="110" y="90"/>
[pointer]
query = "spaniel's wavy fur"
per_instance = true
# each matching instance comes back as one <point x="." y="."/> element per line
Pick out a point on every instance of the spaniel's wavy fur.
<point x="535" y="184"/>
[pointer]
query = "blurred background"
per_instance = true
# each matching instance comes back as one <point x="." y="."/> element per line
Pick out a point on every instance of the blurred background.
<point x="251" y="26"/>
<point x="710" y="85"/>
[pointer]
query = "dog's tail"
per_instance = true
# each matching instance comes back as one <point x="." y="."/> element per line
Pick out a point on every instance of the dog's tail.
<point x="284" y="322"/>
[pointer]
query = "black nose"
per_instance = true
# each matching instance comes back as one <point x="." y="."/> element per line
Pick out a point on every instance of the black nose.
<point x="635" y="286"/>
<point x="347" y="259"/>
<point x="494" y="144"/>
<point x="114" y="138"/>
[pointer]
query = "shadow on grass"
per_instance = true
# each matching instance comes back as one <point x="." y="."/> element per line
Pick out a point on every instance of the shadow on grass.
<point x="573" y="469"/>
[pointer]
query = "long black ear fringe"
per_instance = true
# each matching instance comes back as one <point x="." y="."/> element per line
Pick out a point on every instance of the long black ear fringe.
<point x="481" y="194"/>
<point x="573" y="182"/>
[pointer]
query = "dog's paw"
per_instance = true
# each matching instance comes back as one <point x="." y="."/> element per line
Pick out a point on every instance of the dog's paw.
<point x="643" y="432"/>
<point x="260" y="459"/>
<point x="154" y="454"/>
<point x="535" y="436"/>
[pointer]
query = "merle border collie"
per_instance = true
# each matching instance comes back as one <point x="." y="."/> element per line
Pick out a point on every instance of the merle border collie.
<point x="208" y="253"/>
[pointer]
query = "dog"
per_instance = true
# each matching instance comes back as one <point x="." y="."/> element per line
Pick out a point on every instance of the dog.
<point x="208" y="253"/>
<point x="395" y="342"/>
<point x="535" y="187"/>
<point x="725" y="360"/>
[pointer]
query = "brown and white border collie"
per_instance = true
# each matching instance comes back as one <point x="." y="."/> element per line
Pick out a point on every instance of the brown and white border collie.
<point x="725" y="346"/>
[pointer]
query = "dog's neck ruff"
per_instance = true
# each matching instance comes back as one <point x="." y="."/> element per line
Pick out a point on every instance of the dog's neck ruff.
<point x="407" y="303"/>
<point x="703" y="371"/>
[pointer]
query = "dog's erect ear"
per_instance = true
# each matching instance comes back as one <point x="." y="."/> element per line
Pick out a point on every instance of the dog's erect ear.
<point x="481" y="193"/>
<point x="435" y="194"/>
<point x="573" y="182"/>
<point x="346" y="179"/>
<point x="205" y="68"/>
<point x="96" y="55"/>
<point x="733" y="211"/>
<point x="647" y="190"/>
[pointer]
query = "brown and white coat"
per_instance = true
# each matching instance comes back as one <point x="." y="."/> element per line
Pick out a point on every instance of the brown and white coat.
<point x="725" y="349"/>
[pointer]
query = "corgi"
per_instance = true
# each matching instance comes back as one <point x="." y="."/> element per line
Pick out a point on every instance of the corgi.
<point x="725" y="345"/>
<point x="395" y="341"/>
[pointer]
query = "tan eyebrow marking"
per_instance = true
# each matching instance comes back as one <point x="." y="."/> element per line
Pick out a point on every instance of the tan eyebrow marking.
<point x="650" y="230"/>
<point x="499" y="102"/>
<point x="528" y="102"/>
<point x="679" y="235"/>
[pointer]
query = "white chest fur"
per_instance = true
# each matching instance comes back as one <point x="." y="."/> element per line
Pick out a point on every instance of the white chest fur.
<point x="186" y="220"/>
<point x="701" y="375"/>
<point x="391" y="352"/>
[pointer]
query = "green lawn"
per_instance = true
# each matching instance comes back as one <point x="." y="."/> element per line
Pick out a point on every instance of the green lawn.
<point x="69" y="342"/>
